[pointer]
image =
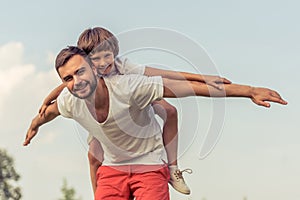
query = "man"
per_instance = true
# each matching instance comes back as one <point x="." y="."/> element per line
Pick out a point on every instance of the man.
<point x="111" y="109"/>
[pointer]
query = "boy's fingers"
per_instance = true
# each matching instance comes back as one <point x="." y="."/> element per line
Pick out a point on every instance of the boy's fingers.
<point x="42" y="111"/>
<point x="226" y="81"/>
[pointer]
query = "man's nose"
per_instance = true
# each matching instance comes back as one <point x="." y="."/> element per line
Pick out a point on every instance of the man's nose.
<point x="77" y="80"/>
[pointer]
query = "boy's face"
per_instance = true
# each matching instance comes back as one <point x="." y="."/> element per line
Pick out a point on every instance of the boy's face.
<point x="103" y="61"/>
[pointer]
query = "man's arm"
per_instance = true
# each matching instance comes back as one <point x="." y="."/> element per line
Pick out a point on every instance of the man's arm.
<point x="260" y="96"/>
<point x="50" y="114"/>
<point x="215" y="81"/>
<point x="95" y="156"/>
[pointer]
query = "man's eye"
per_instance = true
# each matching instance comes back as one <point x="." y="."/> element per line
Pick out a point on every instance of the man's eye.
<point x="67" y="79"/>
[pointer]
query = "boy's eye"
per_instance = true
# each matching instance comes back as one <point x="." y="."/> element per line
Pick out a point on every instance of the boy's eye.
<point x="96" y="59"/>
<point x="80" y="72"/>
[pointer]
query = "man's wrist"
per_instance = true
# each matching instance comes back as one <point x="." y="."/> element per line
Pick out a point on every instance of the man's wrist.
<point x="251" y="92"/>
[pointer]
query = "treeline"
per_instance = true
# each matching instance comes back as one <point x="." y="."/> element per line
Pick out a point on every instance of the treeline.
<point x="9" y="177"/>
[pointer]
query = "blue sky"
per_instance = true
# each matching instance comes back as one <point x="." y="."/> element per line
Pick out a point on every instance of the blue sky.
<point x="254" y="43"/>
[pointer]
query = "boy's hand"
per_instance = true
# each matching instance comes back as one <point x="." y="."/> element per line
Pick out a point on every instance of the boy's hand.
<point x="30" y="134"/>
<point x="216" y="81"/>
<point x="42" y="110"/>
<point x="260" y="96"/>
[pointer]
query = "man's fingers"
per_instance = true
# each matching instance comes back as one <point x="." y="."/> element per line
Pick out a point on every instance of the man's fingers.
<point x="263" y="103"/>
<point x="277" y="98"/>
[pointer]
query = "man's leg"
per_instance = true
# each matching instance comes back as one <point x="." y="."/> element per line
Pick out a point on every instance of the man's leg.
<point x="151" y="185"/>
<point x="170" y="137"/>
<point x="112" y="184"/>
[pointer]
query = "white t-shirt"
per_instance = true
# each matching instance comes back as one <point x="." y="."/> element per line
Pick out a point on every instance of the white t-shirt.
<point x="130" y="134"/>
<point x="124" y="66"/>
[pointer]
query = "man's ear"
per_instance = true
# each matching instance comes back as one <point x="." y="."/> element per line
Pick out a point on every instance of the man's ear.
<point x="94" y="69"/>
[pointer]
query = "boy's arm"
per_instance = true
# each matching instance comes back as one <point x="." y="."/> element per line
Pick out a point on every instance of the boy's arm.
<point x="215" y="81"/>
<point x="260" y="96"/>
<point x="51" y="113"/>
<point x="50" y="98"/>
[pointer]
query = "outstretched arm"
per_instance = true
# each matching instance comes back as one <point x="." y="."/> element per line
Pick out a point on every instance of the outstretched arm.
<point x="51" y="113"/>
<point x="260" y="96"/>
<point x="50" y="98"/>
<point x="215" y="81"/>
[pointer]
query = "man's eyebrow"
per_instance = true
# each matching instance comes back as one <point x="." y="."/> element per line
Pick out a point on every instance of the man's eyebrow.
<point x="80" y="68"/>
<point x="67" y="77"/>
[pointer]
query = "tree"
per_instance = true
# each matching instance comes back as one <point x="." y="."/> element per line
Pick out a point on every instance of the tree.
<point x="67" y="192"/>
<point x="8" y="178"/>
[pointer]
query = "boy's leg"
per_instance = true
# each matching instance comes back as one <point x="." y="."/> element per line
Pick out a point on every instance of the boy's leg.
<point x="170" y="137"/>
<point x="170" y="129"/>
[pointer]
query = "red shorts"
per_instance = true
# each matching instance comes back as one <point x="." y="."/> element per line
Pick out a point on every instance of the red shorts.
<point x="126" y="182"/>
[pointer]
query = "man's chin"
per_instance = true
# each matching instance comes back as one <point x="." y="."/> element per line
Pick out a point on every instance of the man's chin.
<point x="82" y="95"/>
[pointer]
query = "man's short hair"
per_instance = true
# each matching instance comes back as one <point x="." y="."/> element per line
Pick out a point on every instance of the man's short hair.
<point x="66" y="54"/>
<point x="97" y="39"/>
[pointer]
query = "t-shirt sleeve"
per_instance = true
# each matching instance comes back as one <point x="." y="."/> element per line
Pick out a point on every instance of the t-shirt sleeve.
<point x="65" y="103"/>
<point x="126" y="67"/>
<point x="89" y="138"/>
<point x="145" y="90"/>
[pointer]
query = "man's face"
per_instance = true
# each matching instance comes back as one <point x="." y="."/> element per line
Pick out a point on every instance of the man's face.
<point x="103" y="61"/>
<point x="79" y="77"/>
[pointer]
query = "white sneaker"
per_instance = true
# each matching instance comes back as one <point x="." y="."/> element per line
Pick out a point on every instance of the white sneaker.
<point x="177" y="181"/>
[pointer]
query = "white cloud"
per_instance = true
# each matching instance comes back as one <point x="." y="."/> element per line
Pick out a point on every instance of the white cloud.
<point x="22" y="89"/>
<point x="10" y="78"/>
<point x="11" y="54"/>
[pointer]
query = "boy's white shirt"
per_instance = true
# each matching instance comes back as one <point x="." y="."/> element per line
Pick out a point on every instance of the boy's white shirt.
<point x="130" y="134"/>
<point x="124" y="66"/>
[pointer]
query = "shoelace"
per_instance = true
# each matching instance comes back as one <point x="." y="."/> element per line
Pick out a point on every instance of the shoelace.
<point x="178" y="173"/>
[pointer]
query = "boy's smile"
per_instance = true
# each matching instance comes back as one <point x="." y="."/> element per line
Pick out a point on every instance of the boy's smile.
<point x="103" y="61"/>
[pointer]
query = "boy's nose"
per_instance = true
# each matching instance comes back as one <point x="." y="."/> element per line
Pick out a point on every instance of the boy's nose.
<point x="102" y="63"/>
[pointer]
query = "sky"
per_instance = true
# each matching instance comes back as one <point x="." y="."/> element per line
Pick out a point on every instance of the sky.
<point x="249" y="42"/>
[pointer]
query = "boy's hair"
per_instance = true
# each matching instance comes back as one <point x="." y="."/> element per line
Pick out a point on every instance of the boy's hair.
<point x="98" y="39"/>
<point x="67" y="53"/>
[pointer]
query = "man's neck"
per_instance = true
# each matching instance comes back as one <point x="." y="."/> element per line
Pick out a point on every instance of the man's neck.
<point x="98" y="103"/>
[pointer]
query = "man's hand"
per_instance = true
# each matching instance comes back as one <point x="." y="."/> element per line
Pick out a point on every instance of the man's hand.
<point x="261" y="96"/>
